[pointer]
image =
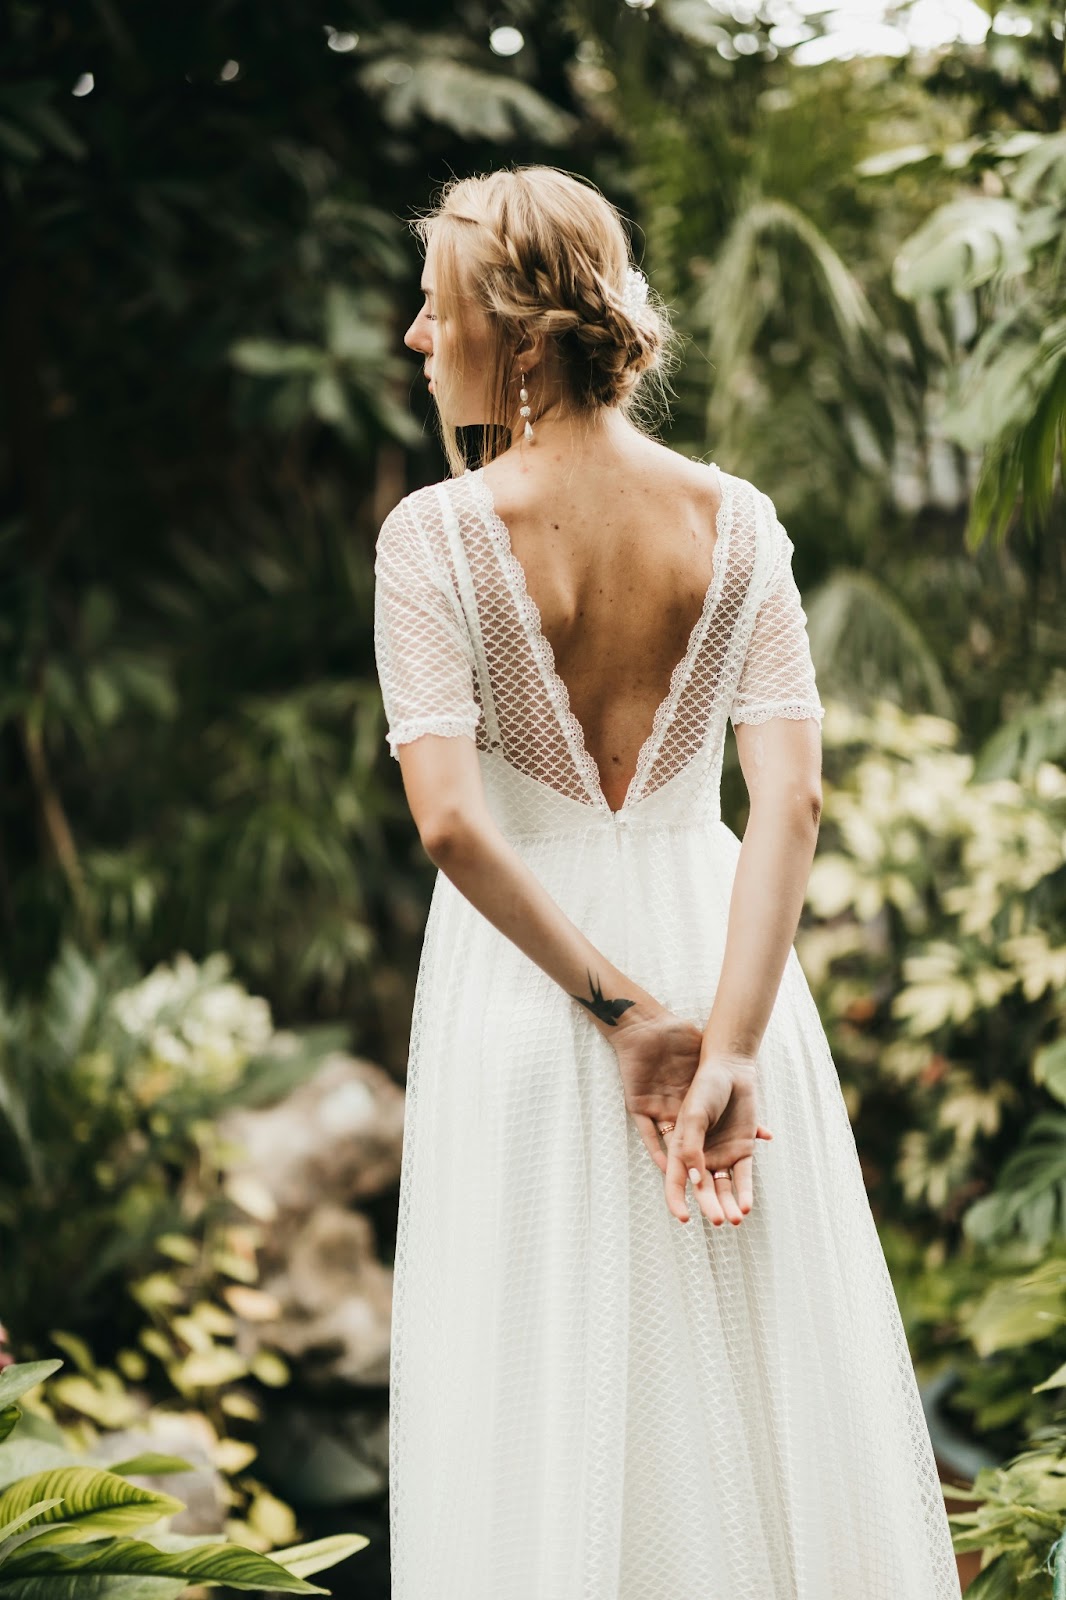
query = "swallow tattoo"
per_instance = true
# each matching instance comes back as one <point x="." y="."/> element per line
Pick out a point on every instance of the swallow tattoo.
<point x="604" y="1010"/>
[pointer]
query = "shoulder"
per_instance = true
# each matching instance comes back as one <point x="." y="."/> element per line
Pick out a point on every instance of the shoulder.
<point x="415" y="512"/>
<point x="415" y="527"/>
<point x="744" y="489"/>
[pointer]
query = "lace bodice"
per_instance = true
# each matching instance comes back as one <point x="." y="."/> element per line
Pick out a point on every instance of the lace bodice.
<point x="461" y="650"/>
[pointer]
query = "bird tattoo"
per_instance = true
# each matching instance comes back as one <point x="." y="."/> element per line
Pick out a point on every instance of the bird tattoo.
<point x="605" y="1010"/>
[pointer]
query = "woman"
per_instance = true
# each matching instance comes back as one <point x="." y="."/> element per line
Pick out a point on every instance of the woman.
<point x="600" y="1391"/>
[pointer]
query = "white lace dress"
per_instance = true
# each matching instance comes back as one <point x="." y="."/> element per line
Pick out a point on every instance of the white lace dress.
<point x="589" y="1399"/>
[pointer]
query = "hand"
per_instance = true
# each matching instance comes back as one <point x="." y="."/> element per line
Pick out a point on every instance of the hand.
<point x="658" y="1053"/>
<point x="715" y="1128"/>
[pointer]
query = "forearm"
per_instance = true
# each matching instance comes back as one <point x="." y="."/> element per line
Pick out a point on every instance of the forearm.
<point x="495" y="879"/>
<point x="764" y="911"/>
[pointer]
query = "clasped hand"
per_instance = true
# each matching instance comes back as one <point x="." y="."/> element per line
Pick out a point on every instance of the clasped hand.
<point x="710" y="1099"/>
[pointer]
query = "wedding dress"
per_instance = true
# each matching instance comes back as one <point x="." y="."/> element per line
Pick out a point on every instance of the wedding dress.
<point x="591" y="1400"/>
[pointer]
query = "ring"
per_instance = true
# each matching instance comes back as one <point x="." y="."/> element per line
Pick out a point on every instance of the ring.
<point x="723" y="1172"/>
<point x="665" y="1127"/>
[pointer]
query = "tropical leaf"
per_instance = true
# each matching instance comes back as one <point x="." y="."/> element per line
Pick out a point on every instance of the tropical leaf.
<point x="866" y="644"/>
<point x="86" y="1500"/>
<point x="304" y="1559"/>
<point x="31" y="1511"/>
<point x="962" y="245"/>
<point x="1030" y="1194"/>
<point x="218" y="1563"/>
<point x="735" y="303"/>
<point x="475" y="103"/>
<point x="21" y="1376"/>
<point x="1024" y="742"/>
<point x="150" y="1465"/>
<point x="86" y="1586"/>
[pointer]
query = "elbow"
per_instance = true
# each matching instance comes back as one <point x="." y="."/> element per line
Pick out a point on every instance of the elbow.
<point x="799" y="806"/>
<point x="444" y="837"/>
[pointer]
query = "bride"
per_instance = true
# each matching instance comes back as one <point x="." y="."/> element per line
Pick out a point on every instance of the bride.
<point x="598" y="1392"/>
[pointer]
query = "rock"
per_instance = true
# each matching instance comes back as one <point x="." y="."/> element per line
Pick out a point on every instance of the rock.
<point x="338" y="1136"/>
<point x="307" y="1162"/>
<point x="185" y="1434"/>
<point x="336" y="1299"/>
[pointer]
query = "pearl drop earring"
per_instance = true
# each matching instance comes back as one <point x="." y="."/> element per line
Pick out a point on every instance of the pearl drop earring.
<point x="523" y="410"/>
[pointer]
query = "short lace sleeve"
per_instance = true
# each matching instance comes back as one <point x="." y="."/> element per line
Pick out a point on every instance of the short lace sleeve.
<point x="777" y="678"/>
<point x="425" y="661"/>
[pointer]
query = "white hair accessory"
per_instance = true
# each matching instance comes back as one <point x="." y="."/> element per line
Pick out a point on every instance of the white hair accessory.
<point x="635" y="293"/>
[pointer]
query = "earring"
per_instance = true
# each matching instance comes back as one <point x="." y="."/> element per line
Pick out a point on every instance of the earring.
<point x="523" y="410"/>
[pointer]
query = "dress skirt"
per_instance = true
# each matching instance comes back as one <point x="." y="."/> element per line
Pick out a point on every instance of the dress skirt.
<point x="591" y="1400"/>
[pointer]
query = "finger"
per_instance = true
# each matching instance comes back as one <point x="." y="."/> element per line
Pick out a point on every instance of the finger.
<point x="686" y="1159"/>
<point x="723" y="1187"/>
<point x="649" y="1132"/>
<point x="717" y="1189"/>
<point x="742" y="1180"/>
<point x="763" y="1133"/>
<point x="677" y="1173"/>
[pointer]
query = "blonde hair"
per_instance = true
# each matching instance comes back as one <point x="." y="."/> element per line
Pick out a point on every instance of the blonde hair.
<point x="540" y="251"/>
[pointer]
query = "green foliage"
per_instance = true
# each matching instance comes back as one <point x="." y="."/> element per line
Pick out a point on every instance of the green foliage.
<point x="948" y="971"/>
<point x="937" y="953"/>
<point x="75" y="1530"/>
<point x="114" y="1172"/>
<point x="1018" y="1522"/>
<point x="1008" y="396"/>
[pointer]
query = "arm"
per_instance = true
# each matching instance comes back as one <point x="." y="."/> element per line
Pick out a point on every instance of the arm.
<point x="442" y="781"/>
<point x="776" y="715"/>
<point x="781" y="761"/>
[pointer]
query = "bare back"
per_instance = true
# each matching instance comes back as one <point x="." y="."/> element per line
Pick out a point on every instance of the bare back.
<point x="618" y="557"/>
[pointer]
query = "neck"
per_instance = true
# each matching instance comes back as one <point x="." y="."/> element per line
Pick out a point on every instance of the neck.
<point x="565" y="431"/>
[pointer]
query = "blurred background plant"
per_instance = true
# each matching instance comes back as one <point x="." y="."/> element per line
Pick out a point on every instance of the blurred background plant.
<point x="205" y="412"/>
<point x="123" y="1239"/>
<point x="69" y="1523"/>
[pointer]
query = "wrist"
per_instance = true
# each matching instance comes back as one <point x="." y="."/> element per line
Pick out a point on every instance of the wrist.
<point x="713" y="1059"/>
<point x="645" y="1008"/>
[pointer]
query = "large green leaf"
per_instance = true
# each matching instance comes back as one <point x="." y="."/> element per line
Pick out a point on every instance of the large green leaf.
<point x="446" y="89"/>
<point x="31" y="1511"/>
<point x="16" y="1380"/>
<point x="961" y="246"/>
<point x="22" y="1376"/>
<point x="88" y="1500"/>
<point x="84" y="1586"/>
<point x="149" y="1465"/>
<point x="304" y="1559"/>
<point x="21" y="1456"/>
<point x="218" y="1563"/>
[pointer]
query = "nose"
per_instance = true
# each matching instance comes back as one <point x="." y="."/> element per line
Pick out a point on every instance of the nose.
<point x="418" y="337"/>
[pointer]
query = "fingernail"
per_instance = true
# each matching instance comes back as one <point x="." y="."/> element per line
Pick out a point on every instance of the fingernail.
<point x="694" y="1174"/>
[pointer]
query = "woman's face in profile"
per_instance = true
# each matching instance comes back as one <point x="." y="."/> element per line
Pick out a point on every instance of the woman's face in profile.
<point x="458" y="352"/>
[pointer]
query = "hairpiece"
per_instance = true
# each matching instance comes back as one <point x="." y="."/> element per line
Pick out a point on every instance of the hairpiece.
<point x="635" y="293"/>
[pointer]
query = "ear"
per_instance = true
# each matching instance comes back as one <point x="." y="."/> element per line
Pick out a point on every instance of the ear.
<point x="530" y="353"/>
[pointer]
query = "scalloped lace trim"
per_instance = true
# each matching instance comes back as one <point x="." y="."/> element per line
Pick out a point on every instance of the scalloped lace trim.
<point x="544" y="654"/>
<point x="415" y="727"/>
<point x="765" y="713"/>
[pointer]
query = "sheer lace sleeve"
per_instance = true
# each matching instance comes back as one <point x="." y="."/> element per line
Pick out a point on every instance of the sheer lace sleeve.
<point x="424" y="657"/>
<point x="777" y="678"/>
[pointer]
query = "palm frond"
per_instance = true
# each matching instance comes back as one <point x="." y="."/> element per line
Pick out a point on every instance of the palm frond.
<point x="867" y="646"/>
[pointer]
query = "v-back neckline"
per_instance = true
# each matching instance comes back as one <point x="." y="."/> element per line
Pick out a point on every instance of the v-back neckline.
<point x="544" y="651"/>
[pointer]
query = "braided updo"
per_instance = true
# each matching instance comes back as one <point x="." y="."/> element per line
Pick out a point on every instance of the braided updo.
<point x="544" y="252"/>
